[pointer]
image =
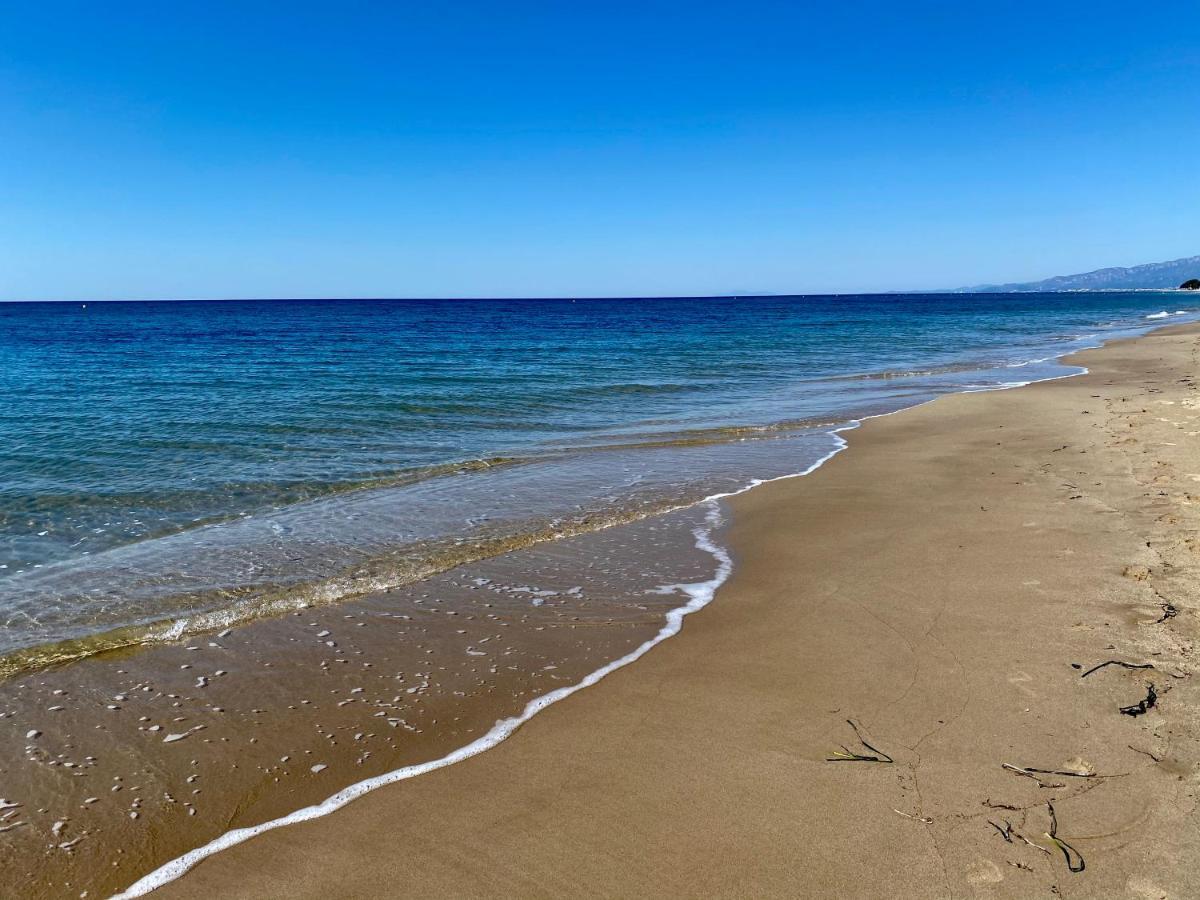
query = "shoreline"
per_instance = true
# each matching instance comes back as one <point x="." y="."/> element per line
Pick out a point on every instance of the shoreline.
<point x="749" y="537"/>
<point x="118" y="763"/>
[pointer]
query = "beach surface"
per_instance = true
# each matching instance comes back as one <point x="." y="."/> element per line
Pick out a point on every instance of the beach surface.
<point x="945" y="584"/>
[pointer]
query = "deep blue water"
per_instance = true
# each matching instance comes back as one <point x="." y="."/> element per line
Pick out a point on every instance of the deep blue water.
<point x="163" y="459"/>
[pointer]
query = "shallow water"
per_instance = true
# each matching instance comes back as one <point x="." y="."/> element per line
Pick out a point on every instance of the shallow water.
<point x="120" y="762"/>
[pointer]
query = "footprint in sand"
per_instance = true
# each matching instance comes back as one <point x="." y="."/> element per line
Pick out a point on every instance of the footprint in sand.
<point x="984" y="871"/>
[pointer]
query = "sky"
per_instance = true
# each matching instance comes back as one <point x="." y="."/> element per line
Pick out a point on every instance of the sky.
<point x="204" y="150"/>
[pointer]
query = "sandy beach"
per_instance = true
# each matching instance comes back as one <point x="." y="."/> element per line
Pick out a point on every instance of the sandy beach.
<point x="946" y="584"/>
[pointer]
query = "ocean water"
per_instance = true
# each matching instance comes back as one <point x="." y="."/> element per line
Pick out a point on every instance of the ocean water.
<point x="175" y="467"/>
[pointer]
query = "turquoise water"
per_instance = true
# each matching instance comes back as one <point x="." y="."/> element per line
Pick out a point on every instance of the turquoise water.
<point x="169" y="466"/>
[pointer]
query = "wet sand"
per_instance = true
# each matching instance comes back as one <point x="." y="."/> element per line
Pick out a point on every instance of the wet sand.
<point x="945" y="584"/>
<point x="115" y="764"/>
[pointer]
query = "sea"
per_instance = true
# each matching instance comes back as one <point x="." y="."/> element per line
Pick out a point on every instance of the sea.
<point x="172" y="467"/>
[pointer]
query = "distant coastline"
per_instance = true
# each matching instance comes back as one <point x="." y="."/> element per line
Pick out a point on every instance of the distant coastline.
<point x="1159" y="276"/>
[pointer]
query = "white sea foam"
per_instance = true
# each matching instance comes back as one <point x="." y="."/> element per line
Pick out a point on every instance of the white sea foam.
<point x="1006" y="385"/>
<point x="1031" y="362"/>
<point x="1158" y="315"/>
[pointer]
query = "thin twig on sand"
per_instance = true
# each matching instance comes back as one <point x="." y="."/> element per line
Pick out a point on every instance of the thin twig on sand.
<point x="990" y="805"/>
<point x="1008" y="833"/>
<point x="1026" y="840"/>
<point x="1061" y="772"/>
<point x="1028" y="774"/>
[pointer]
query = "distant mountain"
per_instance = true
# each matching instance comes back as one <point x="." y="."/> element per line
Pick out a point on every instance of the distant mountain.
<point x="1147" y="277"/>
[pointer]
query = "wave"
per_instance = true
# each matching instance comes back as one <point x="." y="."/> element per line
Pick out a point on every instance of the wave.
<point x="280" y="493"/>
<point x="923" y="372"/>
<point x="621" y="389"/>
<point x="217" y="610"/>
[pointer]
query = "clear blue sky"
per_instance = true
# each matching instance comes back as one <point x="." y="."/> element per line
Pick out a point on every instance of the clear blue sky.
<point x="356" y="149"/>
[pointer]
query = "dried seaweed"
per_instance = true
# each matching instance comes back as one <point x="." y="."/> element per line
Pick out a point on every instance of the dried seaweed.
<point x="1076" y="865"/>
<point x="1117" y="662"/>
<point x="1144" y="705"/>
<point x="848" y="755"/>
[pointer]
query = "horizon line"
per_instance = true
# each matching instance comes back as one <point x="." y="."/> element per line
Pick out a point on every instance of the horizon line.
<point x="575" y="298"/>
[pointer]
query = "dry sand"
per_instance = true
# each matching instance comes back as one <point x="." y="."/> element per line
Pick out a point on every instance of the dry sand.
<point x="935" y="583"/>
